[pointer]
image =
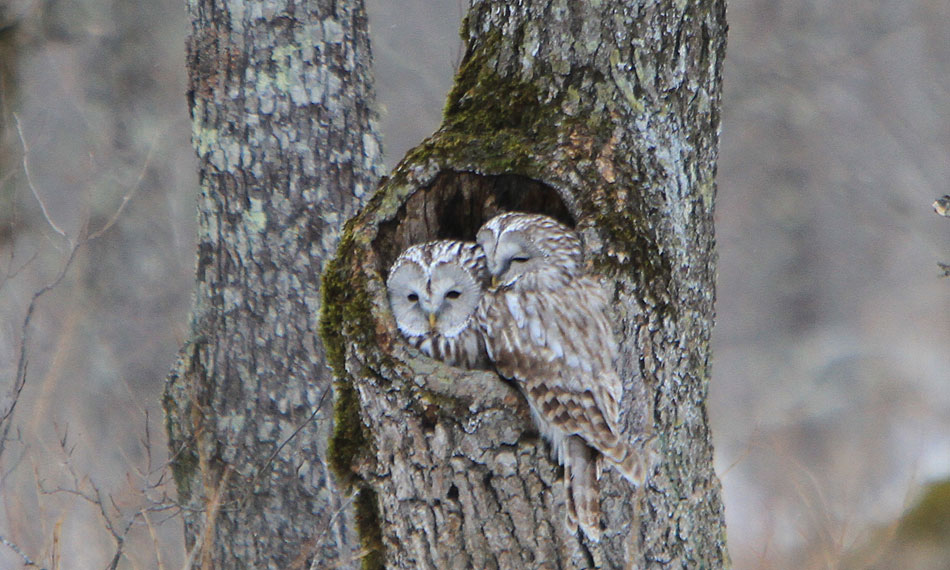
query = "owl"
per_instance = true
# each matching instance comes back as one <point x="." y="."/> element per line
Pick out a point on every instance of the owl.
<point x="546" y="327"/>
<point x="434" y="289"/>
<point x="536" y="249"/>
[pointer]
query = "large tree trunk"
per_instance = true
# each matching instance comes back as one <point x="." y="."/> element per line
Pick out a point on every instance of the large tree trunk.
<point x="280" y="95"/>
<point x="605" y="115"/>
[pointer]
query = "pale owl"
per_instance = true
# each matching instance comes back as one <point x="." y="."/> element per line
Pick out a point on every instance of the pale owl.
<point x="434" y="289"/>
<point x="546" y="327"/>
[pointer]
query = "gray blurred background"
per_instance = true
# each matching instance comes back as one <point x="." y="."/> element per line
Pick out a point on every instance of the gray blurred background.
<point x="829" y="402"/>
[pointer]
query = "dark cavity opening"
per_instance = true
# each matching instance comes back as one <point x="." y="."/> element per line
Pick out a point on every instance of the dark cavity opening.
<point x="429" y="418"/>
<point x="456" y="204"/>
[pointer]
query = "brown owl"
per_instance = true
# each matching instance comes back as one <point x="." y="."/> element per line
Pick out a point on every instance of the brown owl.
<point x="546" y="327"/>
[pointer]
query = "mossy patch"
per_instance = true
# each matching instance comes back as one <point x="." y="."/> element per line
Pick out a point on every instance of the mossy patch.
<point x="181" y="409"/>
<point x="349" y="437"/>
<point x="629" y="231"/>
<point x="490" y="120"/>
<point x="345" y="318"/>
<point x="184" y="463"/>
<point x="484" y="100"/>
<point x="346" y="310"/>
<point x="369" y="529"/>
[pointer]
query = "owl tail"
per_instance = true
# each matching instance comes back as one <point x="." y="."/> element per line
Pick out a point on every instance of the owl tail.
<point x="631" y="464"/>
<point x="580" y="482"/>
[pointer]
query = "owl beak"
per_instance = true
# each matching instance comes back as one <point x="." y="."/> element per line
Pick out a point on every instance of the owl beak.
<point x="495" y="281"/>
<point x="432" y="320"/>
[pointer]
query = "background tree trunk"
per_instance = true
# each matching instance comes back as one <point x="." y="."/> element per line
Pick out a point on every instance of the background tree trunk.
<point x="605" y="115"/>
<point x="281" y="101"/>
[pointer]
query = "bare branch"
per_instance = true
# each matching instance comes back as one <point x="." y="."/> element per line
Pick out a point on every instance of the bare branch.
<point x="128" y="196"/>
<point x="22" y="364"/>
<point x="118" y="524"/>
<point x="154" y="536"/>
<point x="11" y="274"/>
<point x="26" y="559"/>
<point x="29" y="181"/>
<point x="211" y="518"/>
<point x="19" y="380"/>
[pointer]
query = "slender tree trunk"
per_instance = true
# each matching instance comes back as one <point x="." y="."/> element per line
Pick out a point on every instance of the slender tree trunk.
<point x="606" y="115"/>
<point x="281" y="103"/>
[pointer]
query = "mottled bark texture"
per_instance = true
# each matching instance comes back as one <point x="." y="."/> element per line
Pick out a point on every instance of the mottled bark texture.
<point x="280" y="95"/>
<point x="606" y="115"/>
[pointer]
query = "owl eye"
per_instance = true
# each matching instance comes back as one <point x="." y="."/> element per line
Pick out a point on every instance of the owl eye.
<point x="453" y="295"/>
<point x="413" y="297"/>
<point x="519" y="259"/>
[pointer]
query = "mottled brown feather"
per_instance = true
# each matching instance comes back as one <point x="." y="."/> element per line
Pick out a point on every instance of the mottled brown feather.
<point x="547" y="328"/>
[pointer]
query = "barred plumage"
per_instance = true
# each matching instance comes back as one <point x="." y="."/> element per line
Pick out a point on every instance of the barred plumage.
<point x="546" y="327"/>
<point x="434" y="289"/>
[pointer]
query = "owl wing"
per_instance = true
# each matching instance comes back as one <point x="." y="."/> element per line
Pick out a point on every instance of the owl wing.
<point x="558" y="345"/>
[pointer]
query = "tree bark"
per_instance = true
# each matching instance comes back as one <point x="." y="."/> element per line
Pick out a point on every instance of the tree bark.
<point x="605" y="115"/>
<point x="281" y="101"/>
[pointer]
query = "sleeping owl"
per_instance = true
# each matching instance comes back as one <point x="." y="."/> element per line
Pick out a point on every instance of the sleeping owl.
<point x="546" y="327"/>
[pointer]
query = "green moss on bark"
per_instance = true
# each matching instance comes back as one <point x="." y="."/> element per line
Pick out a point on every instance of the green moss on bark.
<point x="632" y="237"/>
<point x="346" y="310"/>
<point x="181" y="407"/>
<point x="345" y="317"/>
<point x="349" y="438"/>
<point x="184" y="463"/>
<point x="485" y="101"/>
<point x="489" y="120"/>
<point x="370" y="531"/>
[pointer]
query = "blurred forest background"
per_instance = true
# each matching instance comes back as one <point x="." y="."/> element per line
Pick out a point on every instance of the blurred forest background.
<point x="829" y="399"/>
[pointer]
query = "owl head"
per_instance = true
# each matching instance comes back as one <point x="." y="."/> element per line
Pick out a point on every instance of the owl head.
<point x="517" y="244"/>
<point x="434" y="287"/>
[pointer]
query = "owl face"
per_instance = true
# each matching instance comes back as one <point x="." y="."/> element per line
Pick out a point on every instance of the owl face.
<point x="516" y="244"/>
<point x="435" y="287"/>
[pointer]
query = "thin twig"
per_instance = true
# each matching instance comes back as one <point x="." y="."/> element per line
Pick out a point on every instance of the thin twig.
<point x="19" y="380"/>
<point x="155" y="542"/>
<point x="56" y="555"/>
<point x="87" y="490"/>
<point x="22" y="363"/>
<point x="128" y="196"/>
<point x="26" y="559"/>
<point x="29" y="181"/>
<point x="284" y="443"/>
<point x="11" y="274"/>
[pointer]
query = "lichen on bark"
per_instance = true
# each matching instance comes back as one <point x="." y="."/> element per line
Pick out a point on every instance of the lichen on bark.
<point x="281" y="102"/>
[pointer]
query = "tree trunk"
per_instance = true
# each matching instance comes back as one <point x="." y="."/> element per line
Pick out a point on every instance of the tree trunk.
<point x="281" y="102"/>
<point x="605" y="115"/>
